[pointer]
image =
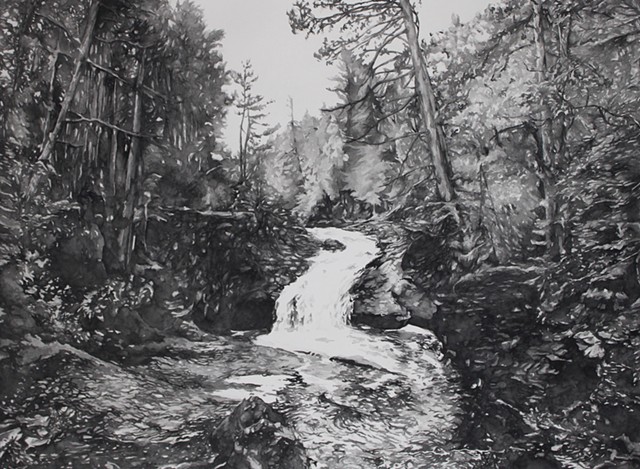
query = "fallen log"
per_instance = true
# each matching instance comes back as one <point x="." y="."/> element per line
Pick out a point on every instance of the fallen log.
<point x="222" y="215"/>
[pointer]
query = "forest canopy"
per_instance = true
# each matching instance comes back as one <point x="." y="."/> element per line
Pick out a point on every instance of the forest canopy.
<point x="488" y="115"/>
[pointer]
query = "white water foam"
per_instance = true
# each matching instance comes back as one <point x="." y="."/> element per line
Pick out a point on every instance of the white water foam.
<point x="313" y="312"/>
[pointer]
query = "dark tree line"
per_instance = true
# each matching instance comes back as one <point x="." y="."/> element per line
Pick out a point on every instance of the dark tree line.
<point x="101" y="100"/>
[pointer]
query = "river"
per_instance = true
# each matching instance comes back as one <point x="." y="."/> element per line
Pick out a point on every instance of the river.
<point x="357" y="398"/>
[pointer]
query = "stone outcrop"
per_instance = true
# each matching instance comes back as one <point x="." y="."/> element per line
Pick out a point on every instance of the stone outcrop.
<point x="385" y="297"/>
<point x="255" y="436"/>
<point x="375" y="302"/>
<point x="234" y="269"/>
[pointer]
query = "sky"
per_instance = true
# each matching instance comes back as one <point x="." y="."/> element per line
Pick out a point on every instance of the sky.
<point x="258" y="31"/>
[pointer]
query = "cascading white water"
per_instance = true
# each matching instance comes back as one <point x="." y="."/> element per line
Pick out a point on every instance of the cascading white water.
<point x="312" y="313"/>
<point x="356" y="395"/>
<point x="319" y="301"/>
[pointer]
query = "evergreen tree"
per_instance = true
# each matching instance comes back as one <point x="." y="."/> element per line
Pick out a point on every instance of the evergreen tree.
<point x="384" y="35"/>
<point x="253" y="130"/>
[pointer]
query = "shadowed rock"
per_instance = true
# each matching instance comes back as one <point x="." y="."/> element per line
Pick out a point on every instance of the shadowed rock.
<point x="78" y="258"/>
<point x="254" y="436"/>
<point x="332" y="245"/>
<point x="375" y="302"/>
<point x="15" y="305"/>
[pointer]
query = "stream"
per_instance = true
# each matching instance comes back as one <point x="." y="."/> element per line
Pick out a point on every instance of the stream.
<point x="357" y="397"/>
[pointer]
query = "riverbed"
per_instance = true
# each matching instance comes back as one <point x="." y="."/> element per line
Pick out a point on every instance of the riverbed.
<point x="357" y="397"/>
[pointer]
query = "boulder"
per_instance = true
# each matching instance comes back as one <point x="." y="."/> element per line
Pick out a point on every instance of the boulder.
<point x="253" y="312"/>
<point x="375" y="303"/>
<point x="332" y="245"/>
<point x="416" y="301"/>
<point x="130" y="327"/>
<point x="255" y="436"/>
<point x="78" y="259"/>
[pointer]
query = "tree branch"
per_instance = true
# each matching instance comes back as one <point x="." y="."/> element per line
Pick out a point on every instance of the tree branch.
<point x="94" y="120"/>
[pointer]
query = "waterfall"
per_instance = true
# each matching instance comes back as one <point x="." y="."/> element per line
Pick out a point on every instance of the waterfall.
<point x="319" y="301"/>
<point x="312" y="313"/>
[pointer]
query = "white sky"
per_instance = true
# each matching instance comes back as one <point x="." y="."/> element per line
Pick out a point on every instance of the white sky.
<point x="258" y="30"/>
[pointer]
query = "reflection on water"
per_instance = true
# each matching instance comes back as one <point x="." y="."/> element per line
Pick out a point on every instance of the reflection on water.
<point x="358" y="398"/>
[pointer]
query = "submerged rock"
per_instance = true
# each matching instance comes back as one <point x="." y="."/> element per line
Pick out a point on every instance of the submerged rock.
<point x="254" y="436"/>
<point x="332" y="245"/>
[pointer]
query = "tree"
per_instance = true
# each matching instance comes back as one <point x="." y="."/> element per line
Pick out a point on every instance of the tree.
<point x="99" y="111"/>
<point x="253" y="130"/>
<point x="85" y="45"/>
<point x="293" y="130"/>
<point x="546" y="160"/>
<point x="428" y="108"/>
<point x="365" y="170"/>
<point x="383" y="34"/>
<point x="527" y="88"/>
<point x="323" y="159"/>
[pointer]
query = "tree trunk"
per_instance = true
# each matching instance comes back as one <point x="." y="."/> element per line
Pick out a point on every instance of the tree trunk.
<point x="87" y="39"/>
<point x="546" y="162"/>
<point x="18" y="69"/>
<point x="135" y="155"/>
<point x="113" y="154"/>
<point x="50" y="98"/>
<point x="111" y="250"/>
<point x="294" y="141"/>
<point x="428" y="109"/>
<point x="241" y="149"/>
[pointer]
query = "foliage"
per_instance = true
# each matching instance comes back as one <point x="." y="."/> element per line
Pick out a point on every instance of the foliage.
<point x="253" y="130"/>
<point x="141" y="98"/>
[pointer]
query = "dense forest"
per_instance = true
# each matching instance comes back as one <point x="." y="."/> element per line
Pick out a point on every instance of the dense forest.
<point x="496" y="164"/>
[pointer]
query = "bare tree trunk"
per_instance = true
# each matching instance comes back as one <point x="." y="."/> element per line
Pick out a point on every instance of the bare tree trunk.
<point x="50" y="104"/>
<point x="241" y="155"/>
<point x="428" y="109"/>
<point x="135" y="155"/>
<point x="294" y="140"/>
<point x="87" y="39"/>
<point x="546" y="161"/>
<point x="113" y="156"/>
<point x="111" y="249"/>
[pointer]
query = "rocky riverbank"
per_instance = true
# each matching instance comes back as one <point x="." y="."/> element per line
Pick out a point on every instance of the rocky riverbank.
<point x="385" y="296"/>
<point x="542" y="390"/>
<point x="222" y="272"/>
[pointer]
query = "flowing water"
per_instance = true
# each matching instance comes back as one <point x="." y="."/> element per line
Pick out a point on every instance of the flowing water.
<point x="357" y="398"/>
